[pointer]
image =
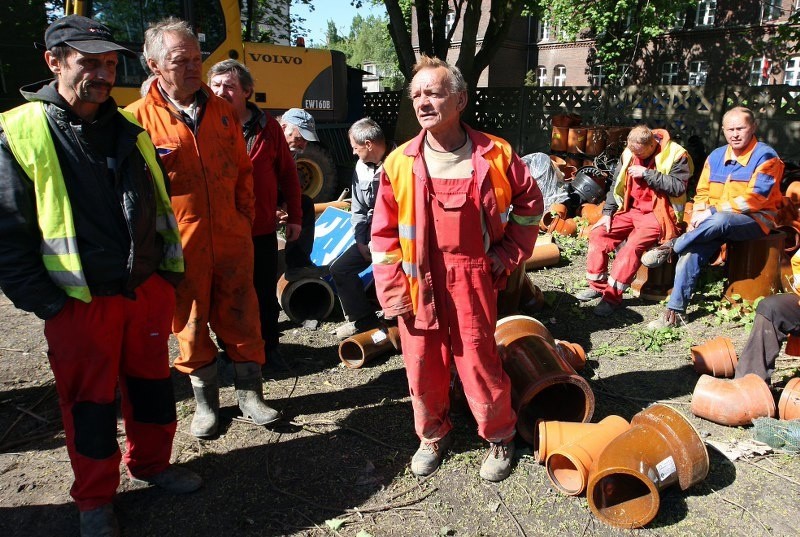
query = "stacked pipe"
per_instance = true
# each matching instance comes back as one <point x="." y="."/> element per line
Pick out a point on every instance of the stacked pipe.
<point x="544" y="386"/>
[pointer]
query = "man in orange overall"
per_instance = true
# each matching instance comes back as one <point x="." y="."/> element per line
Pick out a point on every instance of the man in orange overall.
<point x="444" y="240"/>
<point x="199" y="139"/>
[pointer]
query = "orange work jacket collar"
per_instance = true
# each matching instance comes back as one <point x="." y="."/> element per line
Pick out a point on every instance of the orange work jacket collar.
<point x="744" y="158"/>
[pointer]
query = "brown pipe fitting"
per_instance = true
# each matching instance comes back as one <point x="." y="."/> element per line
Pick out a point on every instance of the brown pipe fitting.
<point x="551" y="435"/>
<point x="357" y="350"/>
<point x="596" y="137"/>
<point x="661" y="449"/>
<point x="715" y="357"/>
<point x="568" y="466"/>
<point x="572" y="353"/>
<point x="789" y="404"/>
<point x="305" y="299"/>
<point x="319" y="208"/>
<point x="553" y="223"/>
<point x="558" y="139"/>
<point x="576" y="140"/>
<point x="543" y="255"/>
<point x="732" y="402"/>
<point x="591" y="212"/>
<point x="560" y="209"/>
<point x="543" y="384"/>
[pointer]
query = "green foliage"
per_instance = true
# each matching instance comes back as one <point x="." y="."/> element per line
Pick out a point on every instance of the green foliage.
<point x="709" y="299"/>
<point x="655" y="340"/>
<point x="368" y="41"/>
<point x="530" y="79"/>
<point x="571" y="246"/>
<point x="618" y="38"/>
<point x="606" y="349"/>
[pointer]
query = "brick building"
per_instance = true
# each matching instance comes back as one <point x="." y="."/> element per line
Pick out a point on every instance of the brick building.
<point x="700" y="48"/>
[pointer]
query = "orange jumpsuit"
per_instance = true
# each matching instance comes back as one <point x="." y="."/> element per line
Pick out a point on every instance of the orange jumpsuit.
<point x="211" y="187"/>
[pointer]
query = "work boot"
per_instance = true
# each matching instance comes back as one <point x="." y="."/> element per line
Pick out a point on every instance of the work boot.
<point x="588" y="294"/>
<point x="497" y="462"/>
<point x="205" y="386"/>
<point x="99" y="522"/>
<point x="250" y="395"/>
<point x="174" y="479"/>
<point x="429" y="455"/>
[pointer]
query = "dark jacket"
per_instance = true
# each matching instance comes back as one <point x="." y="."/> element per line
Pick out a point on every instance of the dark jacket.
<point x="113" y="203"/>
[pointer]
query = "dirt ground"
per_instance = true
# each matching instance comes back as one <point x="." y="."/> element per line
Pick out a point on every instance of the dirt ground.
<point x="338" y="463"/>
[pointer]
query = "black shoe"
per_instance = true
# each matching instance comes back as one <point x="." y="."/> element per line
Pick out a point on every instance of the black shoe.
<point x="99" y="522"/>
<point x="174" y="479"/>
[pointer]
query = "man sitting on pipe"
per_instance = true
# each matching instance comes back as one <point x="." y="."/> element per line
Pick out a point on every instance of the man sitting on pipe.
<point x="644" y="206"/>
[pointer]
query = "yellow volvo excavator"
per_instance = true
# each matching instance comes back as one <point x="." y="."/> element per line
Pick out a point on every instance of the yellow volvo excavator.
<point x="285" y="76"/>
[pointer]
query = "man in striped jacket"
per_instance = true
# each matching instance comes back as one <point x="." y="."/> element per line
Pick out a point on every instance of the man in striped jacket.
<point x="737" y="199"/>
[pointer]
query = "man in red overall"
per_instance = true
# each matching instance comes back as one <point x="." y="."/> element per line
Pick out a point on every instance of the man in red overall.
<point x="444" y="240"/>
<point x="643" y="207"/>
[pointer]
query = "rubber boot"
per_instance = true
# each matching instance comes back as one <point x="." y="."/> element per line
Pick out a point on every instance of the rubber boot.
<point x="206" y="393"/>
<point x="250" y="395"/>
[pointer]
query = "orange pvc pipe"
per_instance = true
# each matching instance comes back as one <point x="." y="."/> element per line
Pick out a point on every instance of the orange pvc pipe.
<point x="715" y="357"/>
<point x="305" y="299"/>
<point x="732" y="402"/>
<point x="543" y="255"/>
<point x="543" y="384"/>
<point x="357" y="350"/>
<point x="661" y="449"/>
<point x="789" y="404"/>
<point x="568" y="466"/>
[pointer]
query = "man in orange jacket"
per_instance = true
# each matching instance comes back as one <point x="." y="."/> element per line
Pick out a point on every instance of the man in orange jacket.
<point x="198" y="137"/>
<point x="456" y="213"/>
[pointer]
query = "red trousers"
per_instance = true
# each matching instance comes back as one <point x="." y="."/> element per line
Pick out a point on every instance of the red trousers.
<point x="640" y="231"/>
<point x="466" y="310"/>
<point x="95" y="347"/>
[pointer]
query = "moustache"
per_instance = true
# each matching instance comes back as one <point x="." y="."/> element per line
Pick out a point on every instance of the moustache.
<point x="98" y="84"/>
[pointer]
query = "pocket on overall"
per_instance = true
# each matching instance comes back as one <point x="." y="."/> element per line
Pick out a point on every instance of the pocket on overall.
<point x="449" y="221"/>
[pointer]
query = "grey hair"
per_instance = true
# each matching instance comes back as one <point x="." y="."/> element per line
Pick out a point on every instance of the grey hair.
<point x="640" y="135"/>
<point x="154" y="48"/>
<point x="366" y="129"/>
<point x="455" y="78"/>
<point x="232" y="66"/>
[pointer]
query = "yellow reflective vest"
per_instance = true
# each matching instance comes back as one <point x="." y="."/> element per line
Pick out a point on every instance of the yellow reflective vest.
<point x="28" y="135"/>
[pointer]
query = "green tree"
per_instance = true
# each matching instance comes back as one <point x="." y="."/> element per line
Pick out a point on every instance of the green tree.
<point x="620" y="28"/>
<point x="368" y="42"/>
<point x="434" y="39"/>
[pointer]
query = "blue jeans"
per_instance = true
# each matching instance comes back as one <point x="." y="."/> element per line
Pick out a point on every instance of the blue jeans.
<point x="696" y="247"/>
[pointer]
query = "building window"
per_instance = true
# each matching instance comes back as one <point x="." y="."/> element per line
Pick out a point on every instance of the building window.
<point x="544" y="31"/>
<point x="678" y="20"/>
<point x="698" y="71"/>
<point x="795" y="6"/>
<point x="598" y="75"/>
<point x="792" y="73"/>
<point x="541" y="76"/>
<point x="669" y="73"/>
<point x="559" y="75"/>
<point x="759" y="72"/>
<point x="770" y="10"/>
<point x="450" y="22"/>
<point x="706" y="9"/>
<point x="371" y="68"/>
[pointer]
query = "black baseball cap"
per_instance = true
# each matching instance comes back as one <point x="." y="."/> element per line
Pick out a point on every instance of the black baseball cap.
<point x="84" y="35"/>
